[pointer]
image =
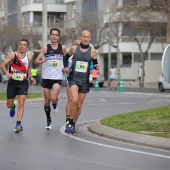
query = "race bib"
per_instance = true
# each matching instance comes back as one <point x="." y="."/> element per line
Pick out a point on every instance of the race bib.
<point x="18" y="76"/>
<point x="81" y="66"/>
<point x="55" y="64"/>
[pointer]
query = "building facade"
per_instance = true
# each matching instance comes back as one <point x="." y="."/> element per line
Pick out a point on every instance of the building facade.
<point x="111" y="35"/>
<point x="27" y="15"/>
<point x="128" y="51"/>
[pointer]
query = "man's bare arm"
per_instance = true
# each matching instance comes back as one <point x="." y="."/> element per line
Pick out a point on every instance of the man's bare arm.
<point x="94" y="58"/>
<point x="39" y="60"/>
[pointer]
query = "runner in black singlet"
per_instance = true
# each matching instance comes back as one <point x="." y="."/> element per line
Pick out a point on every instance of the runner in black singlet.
<point x="79" y="76"/>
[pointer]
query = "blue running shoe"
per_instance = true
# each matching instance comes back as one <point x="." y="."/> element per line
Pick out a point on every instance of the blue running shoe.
<point x="73" y="130"/>
<point x="68" y="128"/>
<point x="18" y="128"/>
<point x="12" y="110"/>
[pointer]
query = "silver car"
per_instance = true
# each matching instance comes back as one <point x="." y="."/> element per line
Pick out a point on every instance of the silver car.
<point x="163" y="84"/>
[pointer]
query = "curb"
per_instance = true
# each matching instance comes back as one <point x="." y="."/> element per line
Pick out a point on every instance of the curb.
<point x="31" y="100"/>
<point x="129" y="137"/>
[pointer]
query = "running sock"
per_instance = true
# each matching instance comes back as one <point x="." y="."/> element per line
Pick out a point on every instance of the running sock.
<point x="54" y="105"/>
<point x="18" y="122"/>
<point x="67" y="118"/>
<point x="71" y="121"/>
<point x="47" y="110"/>
<point x="73" y="124"/>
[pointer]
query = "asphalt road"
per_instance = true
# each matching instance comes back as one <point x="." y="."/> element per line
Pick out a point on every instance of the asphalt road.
<point x="38" y="149"/>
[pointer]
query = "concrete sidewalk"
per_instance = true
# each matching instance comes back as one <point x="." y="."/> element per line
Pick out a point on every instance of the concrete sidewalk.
<point x="135" y="84"/>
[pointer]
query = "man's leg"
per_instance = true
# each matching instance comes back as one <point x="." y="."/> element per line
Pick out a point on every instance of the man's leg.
<point x="20" y="113"/>
<point x="47" y="108"/>
<point x="21" y="101"/>
<point x="111" y="83"/>
<point x="11" y="93"/>
<point x="10" y="103"/>
<point x="73" y="107"/>
<point x="68" y="105"/>
<point x="115" y="84"/>
<point x="81" y="97"/>
<point x="54" y="96"/>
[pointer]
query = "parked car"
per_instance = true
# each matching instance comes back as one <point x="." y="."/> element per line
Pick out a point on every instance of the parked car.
<point x="101" y="80"/>
<point x="163" y="84"/>
<point x="4" y="79"/>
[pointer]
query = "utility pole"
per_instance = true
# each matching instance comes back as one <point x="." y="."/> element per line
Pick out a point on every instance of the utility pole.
<point x="109" y="50"/>
<point x="44" y="29"/>
<point x="44" y="23"/>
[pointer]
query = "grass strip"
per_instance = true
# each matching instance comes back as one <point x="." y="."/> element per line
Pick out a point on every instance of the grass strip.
<point x="155" y="121"/>
<point x="3" y="95"/>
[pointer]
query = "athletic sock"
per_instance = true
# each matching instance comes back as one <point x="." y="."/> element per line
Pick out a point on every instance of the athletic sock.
<point x="47" y="110"/>
<point x="18" y="122"/>
<point x="67" y="118"/>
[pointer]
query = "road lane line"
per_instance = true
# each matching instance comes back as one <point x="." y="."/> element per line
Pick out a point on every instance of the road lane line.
<point x="109" y="146"/>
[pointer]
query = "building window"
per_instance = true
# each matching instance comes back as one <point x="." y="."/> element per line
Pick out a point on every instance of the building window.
<point x="127" y="59"/>
<point x="137" y="57"/>
<point x="89" y="7"/>
<point x="130" y="2"/>
<point x="51" y="20"/>
<point x="37" y="18"/>
<point x="158" y="4"/>
<point x="25" y="1"/>
<point x="157" y="57"/>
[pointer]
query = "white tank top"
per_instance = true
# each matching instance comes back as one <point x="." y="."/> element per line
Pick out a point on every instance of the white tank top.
<point x="112" y="73"/>
<point x="52" y="68"/>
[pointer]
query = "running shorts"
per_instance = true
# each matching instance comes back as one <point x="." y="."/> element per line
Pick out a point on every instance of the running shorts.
<point x="48" y="83"/>
<point x="83" y="87"/>
<point x="16" y="87"/>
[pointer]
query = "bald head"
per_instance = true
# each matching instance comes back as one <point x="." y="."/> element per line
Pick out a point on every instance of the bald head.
<point x="85" y="37"/>
<point x="86" y="32"/>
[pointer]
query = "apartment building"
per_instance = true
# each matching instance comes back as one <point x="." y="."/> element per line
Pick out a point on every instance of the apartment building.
<point x="27" y="15"/>
<point x="79" y="11"/>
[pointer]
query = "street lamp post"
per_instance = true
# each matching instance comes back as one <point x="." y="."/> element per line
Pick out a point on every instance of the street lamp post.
<point x="109" y="62"/>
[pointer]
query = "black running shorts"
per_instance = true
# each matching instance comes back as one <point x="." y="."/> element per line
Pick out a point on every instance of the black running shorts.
<point x="48" y="83"/>
<point x="83" y="87"/>
<point x="16" y="87"/>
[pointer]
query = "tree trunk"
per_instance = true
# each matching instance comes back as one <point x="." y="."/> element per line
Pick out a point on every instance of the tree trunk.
<point x="118" y="64"/>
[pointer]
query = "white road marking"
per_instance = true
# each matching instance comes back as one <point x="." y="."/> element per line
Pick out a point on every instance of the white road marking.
<point x="125" y="103"/>
<point x="109" y="146"/>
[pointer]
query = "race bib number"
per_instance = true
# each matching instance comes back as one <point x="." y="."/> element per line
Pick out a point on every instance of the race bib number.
<point x="81" y="66"/>
<point x="55" y="64"/>
<point x="18" y="76"/>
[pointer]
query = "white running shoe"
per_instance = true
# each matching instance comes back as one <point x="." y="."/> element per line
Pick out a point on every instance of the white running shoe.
<point x="49" y="125"/>
<point x="55" y="108"/>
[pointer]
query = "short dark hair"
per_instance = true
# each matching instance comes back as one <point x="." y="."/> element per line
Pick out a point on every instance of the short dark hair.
<point x="55" y="29"/>
<point x="25" y="41"/>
